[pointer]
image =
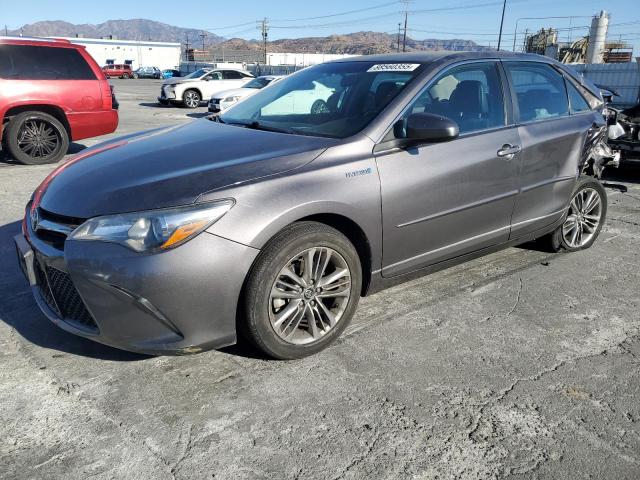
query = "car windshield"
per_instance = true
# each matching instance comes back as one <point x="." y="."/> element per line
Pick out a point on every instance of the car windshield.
<point x="257" y="83"/>
<point x="333" y="100"/>
<point x="197" y="73"/>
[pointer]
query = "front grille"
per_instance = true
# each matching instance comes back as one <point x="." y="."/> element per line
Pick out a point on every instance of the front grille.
<point x="61" y="296"/>
<point x="53" y="228"/>
<point x="45" y="291"/>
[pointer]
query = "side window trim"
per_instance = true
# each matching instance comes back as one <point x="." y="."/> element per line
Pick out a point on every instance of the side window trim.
<point x="568" y="82"/>
<point x="514" y="96"/>
<point x="507" y="103"/>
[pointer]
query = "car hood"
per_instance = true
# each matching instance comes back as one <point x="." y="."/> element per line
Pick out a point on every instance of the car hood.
<point x="236" y="92"/>
<point x="170" y="167"/>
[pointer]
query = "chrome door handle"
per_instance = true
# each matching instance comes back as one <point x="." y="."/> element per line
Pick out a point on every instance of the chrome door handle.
<point x="508" y="151"/>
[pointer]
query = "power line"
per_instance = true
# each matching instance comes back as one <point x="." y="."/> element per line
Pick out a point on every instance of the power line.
<point x="382" y="5"/>
<point x="333" y="24"/>
<point x="463" y="7"/>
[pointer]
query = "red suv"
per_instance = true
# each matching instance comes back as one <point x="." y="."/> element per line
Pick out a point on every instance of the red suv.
<point x="120" y="71"/>
<point x="51" y="92"/>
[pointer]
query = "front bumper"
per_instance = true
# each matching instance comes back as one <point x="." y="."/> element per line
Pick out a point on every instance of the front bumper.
<point x="167" y="94"/>
<point x="217" y="105"/>
<point x="175" y="302"/>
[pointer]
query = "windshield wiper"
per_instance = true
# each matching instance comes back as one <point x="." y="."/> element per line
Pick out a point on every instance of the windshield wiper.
<point x="255" y="125"/>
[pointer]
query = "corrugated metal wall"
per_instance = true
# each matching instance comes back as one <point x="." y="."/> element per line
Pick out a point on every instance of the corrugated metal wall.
<point x="624" y="78"/>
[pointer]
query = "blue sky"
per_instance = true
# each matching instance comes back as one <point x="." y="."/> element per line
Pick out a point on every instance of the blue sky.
<point x="291" y="19"/>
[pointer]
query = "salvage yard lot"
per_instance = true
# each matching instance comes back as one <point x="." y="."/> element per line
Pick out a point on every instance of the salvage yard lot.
<point x="520" y="364"/>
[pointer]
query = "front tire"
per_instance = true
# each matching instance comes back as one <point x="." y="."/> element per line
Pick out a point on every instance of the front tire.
<point x="36" y="138"/>
<point x="301" y="292"/>
<point x="585" y="218"/>
<point x="191" y="99"/>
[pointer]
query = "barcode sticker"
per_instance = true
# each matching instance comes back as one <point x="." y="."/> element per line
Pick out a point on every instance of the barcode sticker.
<point x="394" y="67"/>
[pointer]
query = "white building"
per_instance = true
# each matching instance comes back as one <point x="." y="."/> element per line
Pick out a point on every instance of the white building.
<point x="133" y="52"/>
<point x="302" y="59"/>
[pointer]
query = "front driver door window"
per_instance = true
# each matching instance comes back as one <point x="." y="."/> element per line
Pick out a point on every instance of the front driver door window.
<point x="213" y="83"/>
<point x="446" y="199"/>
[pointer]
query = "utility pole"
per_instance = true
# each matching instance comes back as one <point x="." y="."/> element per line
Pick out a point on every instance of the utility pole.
<point x="5" y="31"/>
<point x="203" y="35"/>
<point x="406" y="14"/>
<point x="186" y="48"/>
<point x="404" y="36"/>
<point x="263" y="26"/>
<point x="504" y="6"/>
<point x="399" y="28"/>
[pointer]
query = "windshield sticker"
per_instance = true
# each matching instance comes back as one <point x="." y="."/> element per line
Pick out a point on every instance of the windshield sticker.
<point x="394" y="67"/>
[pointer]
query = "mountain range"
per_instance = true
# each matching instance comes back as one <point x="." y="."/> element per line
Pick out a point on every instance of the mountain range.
<point x="143" y="29"/>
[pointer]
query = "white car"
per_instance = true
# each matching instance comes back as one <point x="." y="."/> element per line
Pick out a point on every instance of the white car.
<point x="225" y="99"/>
<point x="314" y="99"/>
<point x="204" y="83"/>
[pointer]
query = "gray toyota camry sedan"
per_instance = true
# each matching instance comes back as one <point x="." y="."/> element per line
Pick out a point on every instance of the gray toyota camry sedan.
<point x="272" y="220"/>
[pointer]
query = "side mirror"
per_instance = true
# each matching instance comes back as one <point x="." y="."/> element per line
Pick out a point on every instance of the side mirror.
<point x="427" y="127"/>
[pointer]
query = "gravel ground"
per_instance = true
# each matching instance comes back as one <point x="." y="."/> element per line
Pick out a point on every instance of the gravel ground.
<point x="521" y="364"/>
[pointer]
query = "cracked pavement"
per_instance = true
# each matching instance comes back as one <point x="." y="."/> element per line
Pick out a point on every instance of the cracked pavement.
<point x="522" y="364"/>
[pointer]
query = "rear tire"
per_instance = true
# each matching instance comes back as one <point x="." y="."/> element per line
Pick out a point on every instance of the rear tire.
<point x="36" y="138"/>
<point x="585" y="218"/>
<point x="126" y="75"/>
<point x="302" y="291"/>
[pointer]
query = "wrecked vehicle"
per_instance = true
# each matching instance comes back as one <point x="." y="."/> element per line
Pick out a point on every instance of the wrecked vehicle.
<point x="272" y="223"/>
<point x="624" y="132"/>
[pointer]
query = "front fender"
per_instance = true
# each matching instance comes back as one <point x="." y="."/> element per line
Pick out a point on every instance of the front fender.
<point x="323" y="187"/>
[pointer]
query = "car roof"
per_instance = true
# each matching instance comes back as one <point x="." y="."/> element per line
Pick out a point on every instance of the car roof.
<point x="428" y="57"/>
<point x="38" y="41"/>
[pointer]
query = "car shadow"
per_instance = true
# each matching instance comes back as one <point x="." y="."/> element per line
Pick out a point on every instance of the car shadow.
<point x="73" y="149"/>
<point x="155" y="105"/>
<point x="629" y="173"/>
<point x="198" y="114"/>
<point x="19" y="310"/>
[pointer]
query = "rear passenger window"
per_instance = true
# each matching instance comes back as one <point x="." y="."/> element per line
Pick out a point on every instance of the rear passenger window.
<point x="231" y="75"/>
<point x="25" y="62"/>
<point x="471" y="95"/>
<point x="540" y="90"/>
<point x="576" y="100"/>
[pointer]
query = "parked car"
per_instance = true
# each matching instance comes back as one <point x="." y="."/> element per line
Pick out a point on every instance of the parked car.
<point x="273" y="225"/>
<point x="227" y="98"/>
<point x="204" y="83"/>
<point x="147" y="72"/>
<point x="51" y="92"/>
<point x="171" y="73"/>
<point x="119" y="70"/>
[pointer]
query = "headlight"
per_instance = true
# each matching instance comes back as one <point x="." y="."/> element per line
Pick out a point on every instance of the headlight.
<point x="155" y="230"/>
<point x="231" y="99"/>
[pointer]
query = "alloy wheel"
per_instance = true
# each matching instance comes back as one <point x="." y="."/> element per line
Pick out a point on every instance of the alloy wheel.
<point x="38" y="138"/>
<point x="191" y="99"/>
<point x="309" y="295"/>
<point x="583" y="219"/>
